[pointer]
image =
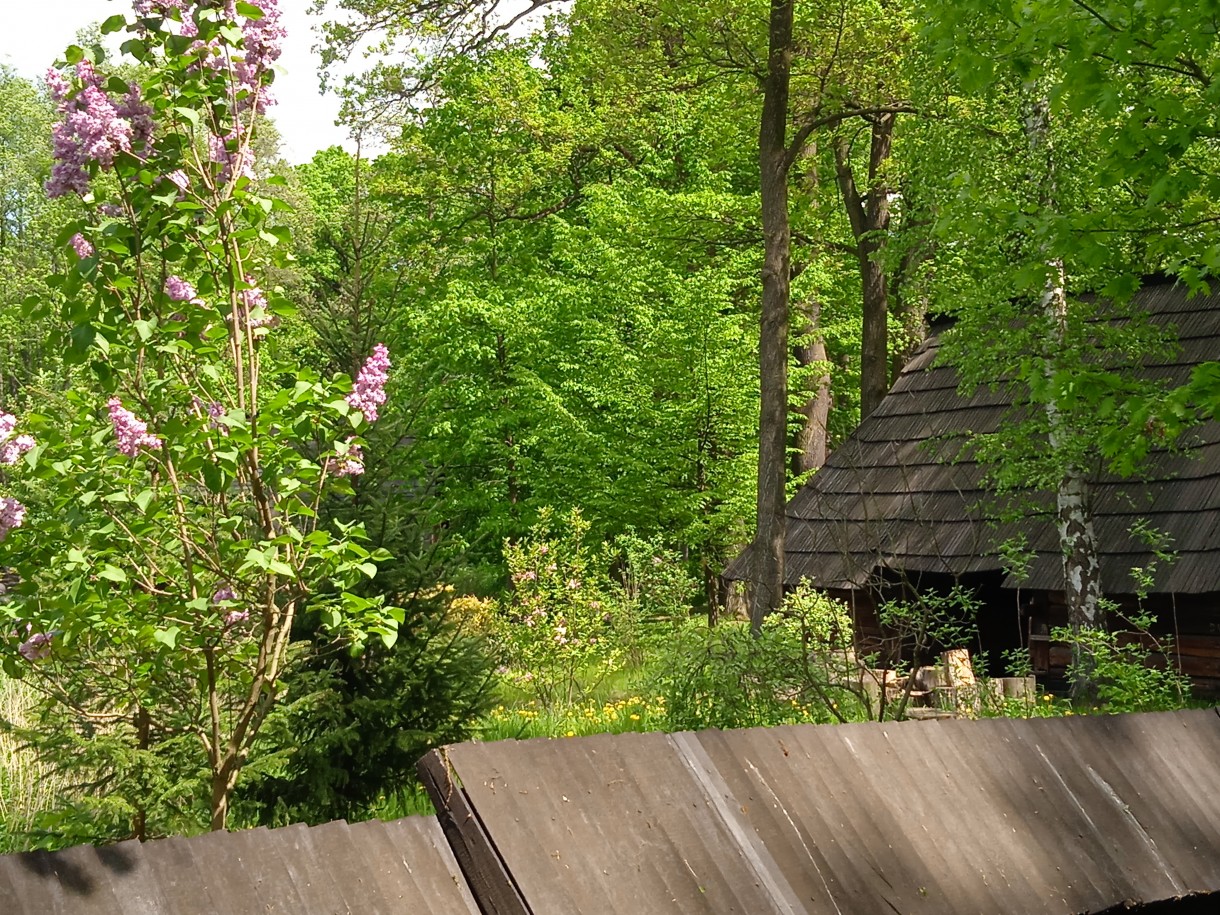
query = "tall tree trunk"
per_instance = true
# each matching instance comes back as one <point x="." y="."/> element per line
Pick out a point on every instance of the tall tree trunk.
<point x="1073" y="499"/>
<point x="768" y="547"/>
<point x="869" y="216"/>
<point x="811" y="441"/>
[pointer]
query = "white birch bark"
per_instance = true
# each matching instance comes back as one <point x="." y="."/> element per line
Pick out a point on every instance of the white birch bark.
<point x="1073" y="498"/>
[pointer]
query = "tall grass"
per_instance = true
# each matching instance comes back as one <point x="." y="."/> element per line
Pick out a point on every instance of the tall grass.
<point x="26" y="787"/>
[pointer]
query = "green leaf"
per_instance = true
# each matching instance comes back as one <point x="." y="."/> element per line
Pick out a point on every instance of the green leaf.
<point x="112" y="573"/>
<point x="142" y="500"/>
<point x="168" y="637"/>
<point x="115" y="23"/>
<point x="143" y="328"/>
<point x="213" y="478"/>
<point x="249" y="10"/>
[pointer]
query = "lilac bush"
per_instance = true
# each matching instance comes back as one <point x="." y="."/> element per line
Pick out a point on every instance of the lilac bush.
<point x="173" y="537"/>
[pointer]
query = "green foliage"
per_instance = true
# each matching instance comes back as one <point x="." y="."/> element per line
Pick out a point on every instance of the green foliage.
<point x="1132" y="669"/>
<point x="346" y="738"/>
<point x="1134" y="85"/>
<point x="929" y="620"/>
<point x="798" y="669"/>
<point x="29" y="222"/>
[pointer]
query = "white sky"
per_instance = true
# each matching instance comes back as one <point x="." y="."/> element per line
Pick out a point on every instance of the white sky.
<point x="34" y="34"/>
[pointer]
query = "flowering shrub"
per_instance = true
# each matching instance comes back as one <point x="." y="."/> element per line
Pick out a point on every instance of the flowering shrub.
<point x="557" y="621"/>
<point x="176" y="538"/>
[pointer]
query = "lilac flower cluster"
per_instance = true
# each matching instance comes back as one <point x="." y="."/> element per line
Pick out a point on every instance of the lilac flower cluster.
<point x="81" y="246"/>
<point x="37" y="647"/>
<point x="223" y="593"/>
<point x="147" y="8"/>
<point x="132" y="433"/>
<point x="236" y="617"/>
<point x="179" y="290"/>
<point x="11" y="449"/>
<point x="181" y="180"/>
<point x="139" y="115"/>
<point x="216" y="412"/>
<point x="369" y="391"/>
<point x="351" y="462"/>
<point x="234" y="157"/>
<point x="92" y="130"/>
<point x="263" y="41"/>
<point x="12" y="514"/>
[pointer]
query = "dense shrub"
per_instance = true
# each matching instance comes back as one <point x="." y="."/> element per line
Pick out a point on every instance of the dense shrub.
<point x="797" y="669"/>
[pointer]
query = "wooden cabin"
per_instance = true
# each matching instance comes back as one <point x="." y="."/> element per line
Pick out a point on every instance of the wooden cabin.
<point x="903" y="507"/>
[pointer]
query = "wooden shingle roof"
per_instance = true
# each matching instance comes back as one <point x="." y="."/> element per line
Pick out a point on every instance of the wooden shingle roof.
<point x="335" y="868"/>
<point x="902" y="493"/>
<point x="1050" y="816"/>
<point x="1021" y="816"/>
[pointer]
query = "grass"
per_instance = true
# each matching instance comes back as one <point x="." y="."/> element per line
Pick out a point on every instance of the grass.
<point x="594" y="716"/>
<point x="26" y="788"/>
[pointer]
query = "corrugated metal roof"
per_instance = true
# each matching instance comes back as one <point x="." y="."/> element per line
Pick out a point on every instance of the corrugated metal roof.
<point x="902" y="494"/>
<point x="373" y="867"/>
<point x="1014" y="816"/>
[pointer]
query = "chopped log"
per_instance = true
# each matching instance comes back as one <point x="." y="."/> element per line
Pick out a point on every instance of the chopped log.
<point x="929" y="714"/>
<point x="960" y="674"/>
<point x="1019" y="687"/>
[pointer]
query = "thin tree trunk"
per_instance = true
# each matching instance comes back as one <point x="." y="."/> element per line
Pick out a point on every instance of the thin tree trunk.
<point x="812" y="439"/>
<point x="869" y="216"/>
<point x="768" y="548"/>
<point x="222" y="787"/>
<point x="1073" y="499"/>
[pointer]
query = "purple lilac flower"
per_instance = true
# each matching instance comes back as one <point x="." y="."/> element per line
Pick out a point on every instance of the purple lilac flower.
<point x="234" y="157"/>
<point x="351" y="463"/>
<point x="178" y="289"/>
<point x="132" y="433"/>
<point x="139" y="114"/>
<point x="10" y="452"/>
<point x="236" y="617"/>
<point x="92" y="130"/>
<point x="216" y="412"/>
<point x="209" y="55"/>
<point x="224" y="593"/>
<point x="12" y="514"/>
<point x="369" y="391"/>
<point x="253" y="297"/>
<point x="147" y="8"/>
<point x="37" y="647"/>
<point x="57" y="84"/>
<point x="180" y="179"/>
<point x="262" y="41"/>
<point x="82" y="246"/>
